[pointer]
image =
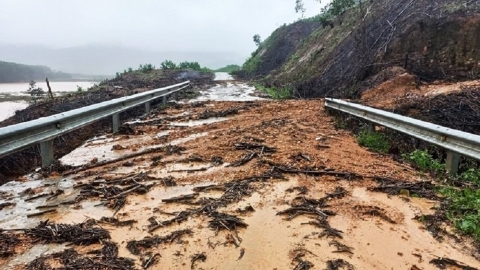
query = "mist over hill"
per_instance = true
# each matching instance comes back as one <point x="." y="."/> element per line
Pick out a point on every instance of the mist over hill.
<point x="107" y="60"/>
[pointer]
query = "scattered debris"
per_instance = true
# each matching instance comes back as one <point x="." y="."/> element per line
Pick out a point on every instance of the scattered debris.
<point x="302" y="264"/>
<point x="249" y="146"/>
<point x="223" y="113"/>
<point x="181" y="198"/>
<point x="339" y="264"/>
<point x="374" y="211"/>
<point x="7" y="204"/>
<point x="135" y="247"/>
<point x="222" y="221"/>
<point x="116" y="222"/>
<point x="150" y="260"/>
<point x="41" y="213"/>
<point x="242" y="252"/>
<point x="7" y="244"/>
<point x="247" y="209"/>
<point x="340" y="247"/>
<point x="77" y="234"/>
<point x="443" y="263"/>
<point x="395" y="187"/>
<point x="198" y="257"/>
<point x="155" y="223"/>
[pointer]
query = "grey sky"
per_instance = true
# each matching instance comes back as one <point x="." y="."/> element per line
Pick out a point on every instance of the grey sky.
<point x="182" y="25"/>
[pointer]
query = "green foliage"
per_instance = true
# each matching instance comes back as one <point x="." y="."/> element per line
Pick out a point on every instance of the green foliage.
<point x="373" y="140"/>
<point x="257" y="39"/>
<point x="299" y="7"/>
<point x="130" y="69"/>
<point x="471" y="175"/>
<point x="229" y="68"/>
<point x="424" y="161"/>
<point x="145" y="68"/>
<point x="168" y="64"/>
<point x="276" y="93"/>
<point x="79" y="88"/>
<point x="35" y="92"/>
<point x="337" y="7"/>
<point x="251" y="64"/>
<point x="464" y="210"/>
<point x="190" y="65"/>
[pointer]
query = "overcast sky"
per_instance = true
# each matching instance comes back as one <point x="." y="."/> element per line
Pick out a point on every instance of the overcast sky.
<point x="155" y="25"/>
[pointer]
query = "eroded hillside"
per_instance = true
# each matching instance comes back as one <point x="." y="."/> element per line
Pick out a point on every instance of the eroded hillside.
<point x="361" y="48"/>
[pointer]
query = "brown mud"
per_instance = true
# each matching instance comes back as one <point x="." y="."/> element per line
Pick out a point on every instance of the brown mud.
<point x="301" y="195"/>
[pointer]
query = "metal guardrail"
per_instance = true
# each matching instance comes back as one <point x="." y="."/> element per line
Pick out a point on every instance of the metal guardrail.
<point x="454" y="141"/>
<point x="43" y="130"/>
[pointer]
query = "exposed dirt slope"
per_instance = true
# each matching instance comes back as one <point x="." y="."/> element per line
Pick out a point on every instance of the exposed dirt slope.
<point x="432" y="40"/>
<point x="263" y="144"/>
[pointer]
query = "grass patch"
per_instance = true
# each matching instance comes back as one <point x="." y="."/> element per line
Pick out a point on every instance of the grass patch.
<point x="274" y="92"/>
<point x="464" y="210"/>
<point x="424" y="161"/>
<point x="373" y="140"/>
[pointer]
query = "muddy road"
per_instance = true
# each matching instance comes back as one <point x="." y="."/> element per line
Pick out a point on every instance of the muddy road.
<point x="228" y="181"/>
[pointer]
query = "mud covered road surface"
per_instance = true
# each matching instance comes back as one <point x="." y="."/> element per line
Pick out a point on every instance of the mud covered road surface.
<point x="256" y="184"/>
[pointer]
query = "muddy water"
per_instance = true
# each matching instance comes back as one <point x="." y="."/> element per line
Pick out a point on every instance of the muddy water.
<point x="103" y="149"/>
<point x="229" y="92"/>
<point x="223" y="76"/>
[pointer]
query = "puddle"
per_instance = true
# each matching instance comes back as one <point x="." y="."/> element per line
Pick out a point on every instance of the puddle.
<point x="16" y="217"/>
<point x="228" y="92"/>
<point x="103" y="151"/>
<point x="194" y="123"/>
<point x="35" y="252"/>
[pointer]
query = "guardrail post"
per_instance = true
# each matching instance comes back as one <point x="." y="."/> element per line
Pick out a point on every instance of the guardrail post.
<point x="451" y="165"/>
<point x="46" y="151"/>
<point x="164" y="101"/>
<point x="371" y="127"/>
<point x="147" y="107"/>
<point x="115" y="122"/>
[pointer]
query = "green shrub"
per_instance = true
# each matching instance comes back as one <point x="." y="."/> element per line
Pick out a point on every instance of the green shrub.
<point x="274" y="92"/>
<point x="471" y="175"/>
<point x="373" y="140"/>
<point x="424" y="161"/>
<point x="464" y="210"/>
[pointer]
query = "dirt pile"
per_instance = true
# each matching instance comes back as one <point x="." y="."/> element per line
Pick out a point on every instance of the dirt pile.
<point x="305" y="196"/>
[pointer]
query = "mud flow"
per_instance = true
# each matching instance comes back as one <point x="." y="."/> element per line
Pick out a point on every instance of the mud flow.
<point x="222" y="184"/>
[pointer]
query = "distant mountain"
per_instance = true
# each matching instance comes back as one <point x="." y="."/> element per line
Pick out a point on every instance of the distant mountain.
<point x="13" y="72"/>
<point x="107" y="59"/>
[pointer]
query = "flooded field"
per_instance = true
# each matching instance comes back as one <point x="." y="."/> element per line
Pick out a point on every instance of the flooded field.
<point x="268" y="185"/>
<point x="14" y="96"/>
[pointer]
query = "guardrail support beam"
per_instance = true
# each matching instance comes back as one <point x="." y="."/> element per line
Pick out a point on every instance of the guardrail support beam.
<point x="46" y="151"/>
<point x="147" y="107"/>
<point x="451" y="166"/>
<point x="371" y="127"/>
<point x="115" y="122"/>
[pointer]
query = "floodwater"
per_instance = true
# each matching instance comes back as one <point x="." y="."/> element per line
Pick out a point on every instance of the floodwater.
<point x="229" y="92"/>
<point x="8" y="108"/>
<point x="12" y="94"/>
<point x="19" y="88"/>
<point x="223" y="76"/>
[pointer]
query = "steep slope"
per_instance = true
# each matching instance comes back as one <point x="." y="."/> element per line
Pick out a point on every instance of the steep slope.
<point x="435" y="39"/>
